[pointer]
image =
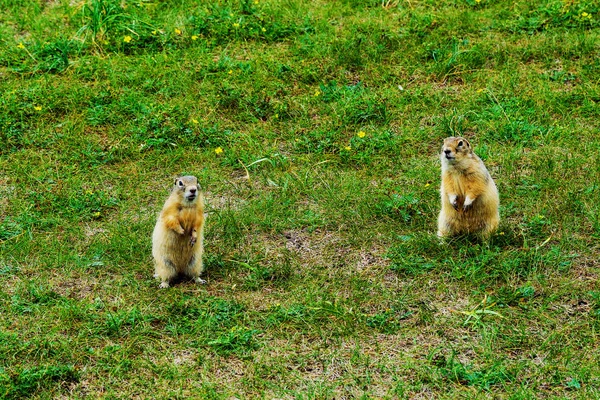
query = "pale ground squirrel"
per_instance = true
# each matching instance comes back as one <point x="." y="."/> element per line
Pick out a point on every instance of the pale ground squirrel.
<point x="177" y="241"/>
<point x="469" y="196"/>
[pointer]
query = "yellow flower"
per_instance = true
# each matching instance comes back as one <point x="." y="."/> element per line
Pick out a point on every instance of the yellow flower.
<point x="177" y="31"/>
<point x="255" y="1"/>
<point x="37" y="108"/>
<point x="479" y="90"/>
<point x="317" y="92"/>
<point x="218" y="150"/>
<point x="194" y="37"/>
<point x="427" y="184"/>
<point x="230" y="72"/>
<point x="21" y="46"/>
<point x="584" y="14"/>
<point x="361" y="134"/>
<point x="97" y="214"/>
<point x="194" y="121"/>
<point x="276" y="115"/>
<point x="477" y="1"/>
<point x="127" y="39"/>
<point x="264" y="30"/>
<point x="236" y="25"/>
<point x="347" y="148"/>
<point x="154" y="32"/>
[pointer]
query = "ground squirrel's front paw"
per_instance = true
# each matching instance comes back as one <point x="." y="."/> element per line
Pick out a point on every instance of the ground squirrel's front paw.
<point x="199" y="280"/>
<point x="468" y="204"/>
<point x="192" y="241"/>
<point x="455" y="203"/>
<point x="453" y="199"/>
<point x="164" y="285"/>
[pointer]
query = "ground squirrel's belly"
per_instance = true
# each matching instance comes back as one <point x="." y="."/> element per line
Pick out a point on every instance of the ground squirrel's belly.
<point x="179" y="252"/>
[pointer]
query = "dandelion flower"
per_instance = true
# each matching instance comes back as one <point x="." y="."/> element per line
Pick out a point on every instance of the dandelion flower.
<point x="427" y="184"/>
<point x="230" y="72"/>
<point x="127" y="39"/>
<point x="177" y="31"/>
<point x="477" y="1"/>
<point x="479" y="90"/>
<point x="37" y="108"/>
<point x="584" y="14"/>
<point x="264" y="30"/>
<point x="347" y="148"/>
<point x="236" y="25"/>
<point x="194" y="37"/>
<point x="21" y="46"/>
<point x="97" y="214"/>
<point x="317" y="92"/>
<point x="361" y="134"/>
<point x="194" y="121"/>
<point x="255" y="1"/>
<point x="218" y="151"/>
<point x="154" y="32"/>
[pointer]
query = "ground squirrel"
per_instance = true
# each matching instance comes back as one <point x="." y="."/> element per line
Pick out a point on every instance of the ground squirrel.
<point x="177" y="241"/>
<point x="469" y="195"/>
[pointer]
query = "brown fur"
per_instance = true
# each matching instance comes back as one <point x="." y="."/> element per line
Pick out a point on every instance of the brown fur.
<point x="469" y="196"/>
<point x="177" y="240"/>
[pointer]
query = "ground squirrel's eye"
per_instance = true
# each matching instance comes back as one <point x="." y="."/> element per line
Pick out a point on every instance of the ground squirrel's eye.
<point x="460" y="143"/>
<point x="180" y="183"/>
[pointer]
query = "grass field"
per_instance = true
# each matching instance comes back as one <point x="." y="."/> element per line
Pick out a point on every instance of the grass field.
<point x="314" y="128"/>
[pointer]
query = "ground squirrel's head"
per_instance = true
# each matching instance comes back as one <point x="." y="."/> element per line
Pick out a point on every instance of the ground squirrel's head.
<point x="455" y="149"/>
<point x="187" y="187"/>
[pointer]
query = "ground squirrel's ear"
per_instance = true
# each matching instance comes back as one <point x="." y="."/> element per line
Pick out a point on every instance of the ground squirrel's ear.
<point x="467" y="143"/>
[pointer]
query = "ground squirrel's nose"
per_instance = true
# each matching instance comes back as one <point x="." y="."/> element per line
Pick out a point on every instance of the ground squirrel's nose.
<point x="447" y="151"/>
<point x="193" y="190"/>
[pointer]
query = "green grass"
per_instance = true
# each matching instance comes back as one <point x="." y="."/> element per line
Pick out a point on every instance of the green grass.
<point x="325" y="277"/>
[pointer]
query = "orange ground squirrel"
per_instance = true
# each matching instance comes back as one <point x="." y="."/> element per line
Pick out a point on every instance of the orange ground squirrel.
<point x="469" y="195"/>
<point x="177" y="241"/>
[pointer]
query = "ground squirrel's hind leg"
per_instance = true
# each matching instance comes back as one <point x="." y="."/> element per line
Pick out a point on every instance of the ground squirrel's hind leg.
<point x="489" y="228"/>
<point x="443" y="227"/>
<point x="195" y="268"/>
<point x="165" y="271"/>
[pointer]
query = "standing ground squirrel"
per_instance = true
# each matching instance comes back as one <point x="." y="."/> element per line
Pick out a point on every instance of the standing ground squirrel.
<point x="177" y="241"/>
<point x="469" y="195"/>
